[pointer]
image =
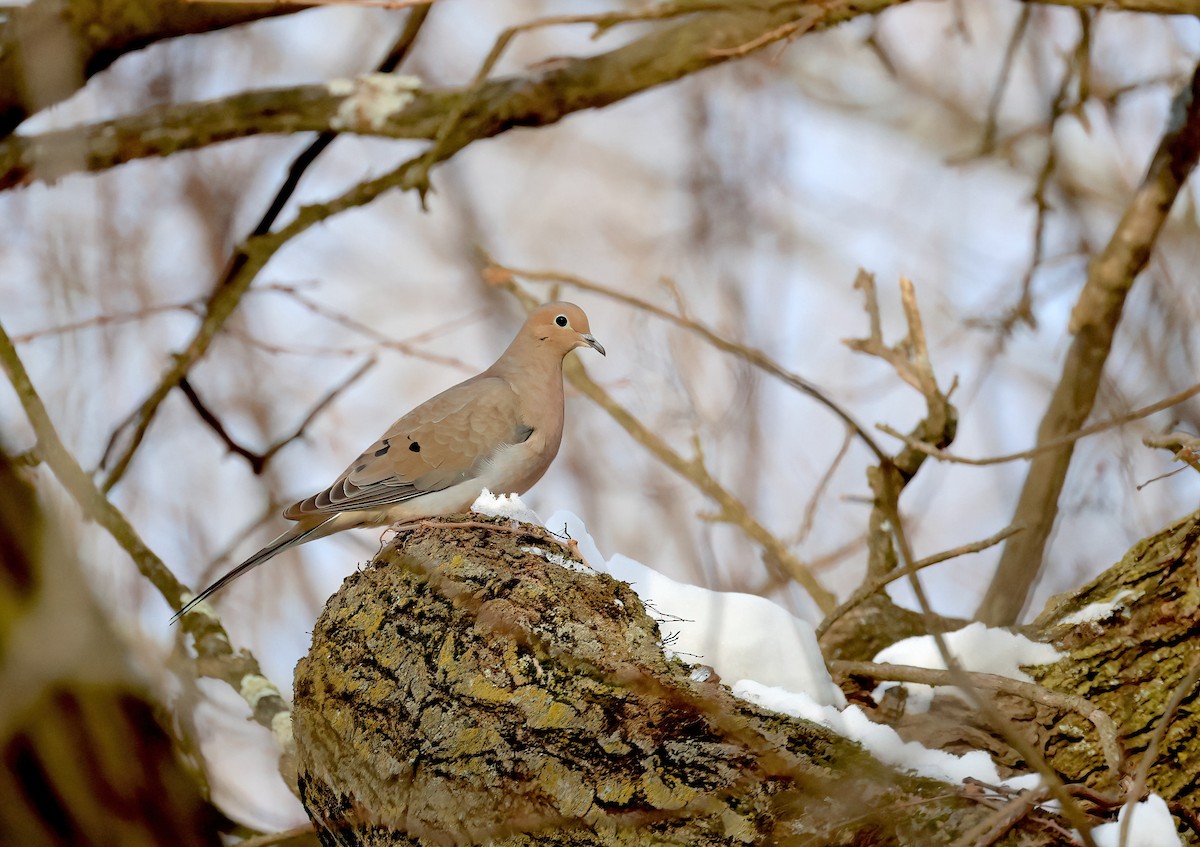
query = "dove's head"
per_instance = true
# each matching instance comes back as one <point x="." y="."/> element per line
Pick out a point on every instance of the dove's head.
<point x="562" y="327"/>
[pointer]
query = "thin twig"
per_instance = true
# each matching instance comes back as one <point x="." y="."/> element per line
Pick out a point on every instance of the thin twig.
<point x="1054" y="444"/>
<point x="818" y="494"/>
<point x="1138" y="786"/>
<point x="1185" y="446"/>
<point x="1106" y="728"/>
<point x="868" y="589"/>
<point x="407" y="346"/>
<point x="1006" y="65"/>
<point x="498" y="274"/>
<point x="995" y="825"/>
<point x="258" y="461"/>
<point x="192" y="306"/>
<point x="790" y="30"/>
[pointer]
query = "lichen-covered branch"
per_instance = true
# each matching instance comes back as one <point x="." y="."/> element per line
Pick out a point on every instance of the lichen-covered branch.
<point x="464" y="689"/>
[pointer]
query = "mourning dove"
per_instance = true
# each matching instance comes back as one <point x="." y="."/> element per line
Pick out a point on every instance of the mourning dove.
<point x="499" y="430"/>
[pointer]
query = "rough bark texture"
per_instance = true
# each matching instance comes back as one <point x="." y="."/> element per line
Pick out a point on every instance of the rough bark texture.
<point x="463" y="689"/>
<point x="1130" y="663"/>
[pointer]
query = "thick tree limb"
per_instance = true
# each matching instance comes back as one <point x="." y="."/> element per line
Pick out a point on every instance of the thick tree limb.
<point x="1094" y="324"/>
<point x="463" y="689"/>
<point x="49" y="48"/>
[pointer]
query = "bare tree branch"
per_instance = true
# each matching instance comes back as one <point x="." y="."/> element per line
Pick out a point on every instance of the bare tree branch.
<point x="1060" y="441"/>
<point x="1094" y="324"/>
<point x="1106" y="729"/>
<point x="258" y="461"/>
<point x="452" y="118"/>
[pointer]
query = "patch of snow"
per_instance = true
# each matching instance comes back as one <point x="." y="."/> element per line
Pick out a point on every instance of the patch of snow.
<point x="371" y="99"/>
<point x="1098" y="611"/>
<point x="504" y="506"/>
<point x="1151" y="825"/>
<point x="741" y="636"/>
<point x="880" y="740"/>
<point x="976" y="647"/>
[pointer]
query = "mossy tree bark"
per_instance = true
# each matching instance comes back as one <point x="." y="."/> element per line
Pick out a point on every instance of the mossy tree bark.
<point x="462" y="689"/>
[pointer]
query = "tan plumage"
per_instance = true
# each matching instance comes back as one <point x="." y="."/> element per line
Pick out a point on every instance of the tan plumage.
<point x="499" y="430"/>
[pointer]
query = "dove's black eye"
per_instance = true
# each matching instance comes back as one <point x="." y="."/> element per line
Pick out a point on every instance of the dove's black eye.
<point x="561" y="320"/>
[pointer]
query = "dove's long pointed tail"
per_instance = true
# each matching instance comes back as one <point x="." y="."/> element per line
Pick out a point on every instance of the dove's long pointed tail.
<point x="296" y="535"/>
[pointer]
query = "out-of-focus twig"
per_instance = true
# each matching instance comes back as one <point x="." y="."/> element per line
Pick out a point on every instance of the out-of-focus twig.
<point x="1094" y="322"/>
<point x="407" y="346"/>
<point x="216" y="656"/>
<point x="1006" y="65"/>
<point x="910" y="359"/>
<point x="192" y="306"/>
<point x="992" y="828"/>
<point x="1185" y="446"/>
<point x="258" y="461"/>
<point x="776" y="553"/>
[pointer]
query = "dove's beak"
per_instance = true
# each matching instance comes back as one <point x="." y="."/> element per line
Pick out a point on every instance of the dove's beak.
<point x="590" y="341"/>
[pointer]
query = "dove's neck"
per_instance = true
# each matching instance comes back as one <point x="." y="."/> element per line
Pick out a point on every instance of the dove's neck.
<point x="528" y="361"/>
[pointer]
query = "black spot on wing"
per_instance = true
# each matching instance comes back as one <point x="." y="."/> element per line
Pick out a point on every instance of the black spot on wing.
<point x="415" y="447"/>
<point x="382" y="451"/>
